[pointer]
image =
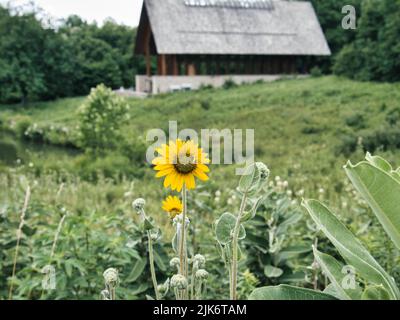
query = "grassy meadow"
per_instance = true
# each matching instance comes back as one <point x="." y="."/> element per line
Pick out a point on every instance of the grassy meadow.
<point x="305" y="131"/>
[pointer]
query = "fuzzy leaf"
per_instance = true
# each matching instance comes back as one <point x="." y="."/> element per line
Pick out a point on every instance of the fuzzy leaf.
<point x="350" y="247"/>
<point x="224" y="228"/>
<point x="333" y="270"/>
<point x="285" y="292"/>
<point x="375" y="293"/>
<point x="381" y="191"/>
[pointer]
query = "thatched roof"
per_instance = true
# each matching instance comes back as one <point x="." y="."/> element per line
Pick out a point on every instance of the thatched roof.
<point x="277" y="28"/>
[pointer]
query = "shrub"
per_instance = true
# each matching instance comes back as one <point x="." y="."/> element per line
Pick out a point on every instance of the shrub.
<point x="22" y="126"/>
<point x="316" y="72"/>
<point x="385" y="138"/>
<point x="101" y="117"/>
<point x="229" y="84"/>
<point x="393" y="116"/>
<point x="356" y="121"/>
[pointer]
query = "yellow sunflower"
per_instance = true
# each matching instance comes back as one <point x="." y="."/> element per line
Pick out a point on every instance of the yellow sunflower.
<point x="179" y="162"/>
<point x="173" y="206"/>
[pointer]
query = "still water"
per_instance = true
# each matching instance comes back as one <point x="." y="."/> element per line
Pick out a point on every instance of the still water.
<point x="13" y="151"/>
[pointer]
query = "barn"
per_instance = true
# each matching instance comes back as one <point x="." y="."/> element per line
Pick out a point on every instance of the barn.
<point x="206" y="42"/>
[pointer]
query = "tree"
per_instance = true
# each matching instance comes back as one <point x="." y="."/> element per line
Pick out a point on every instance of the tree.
<point x="21" y="45"/>
<point x="374" y="55"/>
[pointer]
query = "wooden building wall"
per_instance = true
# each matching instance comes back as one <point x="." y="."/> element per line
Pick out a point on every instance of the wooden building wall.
<point x="225" y="65"/>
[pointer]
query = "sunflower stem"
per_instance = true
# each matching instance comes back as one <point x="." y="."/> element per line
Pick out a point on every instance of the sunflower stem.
<point x="233" y="294"/>
<point x="182" y="255"/>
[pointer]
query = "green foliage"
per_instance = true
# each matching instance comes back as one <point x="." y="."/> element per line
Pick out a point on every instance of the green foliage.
<point x="285" y="292"/>
<point x="100" y="230"/>
<point x="373" y="55"/>
<point x="378" y="184"/>
<point x="269" y="253"/>
<point x="40" y="61"/>
<point x="229" y="84"/>
<point x="101" y="117"/>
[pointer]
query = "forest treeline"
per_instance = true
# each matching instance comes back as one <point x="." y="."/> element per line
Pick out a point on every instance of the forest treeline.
<point x="41" y="60"/>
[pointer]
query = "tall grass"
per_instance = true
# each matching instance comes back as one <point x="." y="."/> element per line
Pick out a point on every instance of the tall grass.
<point x="19" y="235"/>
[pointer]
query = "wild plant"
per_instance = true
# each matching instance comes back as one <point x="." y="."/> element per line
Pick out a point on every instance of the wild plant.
<point x="362" y="277"/>
<point x="111" y="281"/>
<point x="19" y="235"/>
<point x="180" y="162"/>
<point x="229" y="228"/>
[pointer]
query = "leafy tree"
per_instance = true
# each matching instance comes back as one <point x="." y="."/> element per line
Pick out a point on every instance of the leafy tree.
<point x="374" y="55"/>
<point x="21" y="47"/>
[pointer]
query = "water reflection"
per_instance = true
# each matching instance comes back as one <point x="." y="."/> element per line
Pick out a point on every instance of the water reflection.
<point x="13" y="151"/>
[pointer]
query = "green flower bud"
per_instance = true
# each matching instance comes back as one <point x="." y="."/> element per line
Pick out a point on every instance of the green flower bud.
<point x="174" y="263"/>
<point x="199" y="260"/>
<point x="138" y="205"/>
<point x="111" y="277"/>
<point x="254" y="178"/>
<point x="264" y="171"/>
<point x="201" y="274"/>
<point x="179" y="282"/>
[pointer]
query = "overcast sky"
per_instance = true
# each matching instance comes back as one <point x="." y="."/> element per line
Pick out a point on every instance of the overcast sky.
<point x="122" y="11"/>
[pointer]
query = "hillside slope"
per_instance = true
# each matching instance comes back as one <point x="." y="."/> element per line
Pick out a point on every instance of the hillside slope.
<point x="305" y="129"/>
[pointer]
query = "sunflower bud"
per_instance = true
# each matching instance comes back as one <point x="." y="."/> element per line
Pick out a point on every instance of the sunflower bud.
<point x="179" y="282"/>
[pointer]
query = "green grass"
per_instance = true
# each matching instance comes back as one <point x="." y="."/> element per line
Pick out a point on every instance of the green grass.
<point x="299" y="124"/>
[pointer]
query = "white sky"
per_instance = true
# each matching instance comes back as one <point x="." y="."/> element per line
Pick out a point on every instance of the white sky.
<point x="122" y="11"/>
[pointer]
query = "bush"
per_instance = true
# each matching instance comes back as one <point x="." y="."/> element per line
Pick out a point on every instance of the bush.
<point x="356" y="121"/>
<point x="393" y="116"/>
<point x="22" y="126"/>
<point x="101" y="116"/>
<point x="229" y="84"/>
<point x="384" y="138"/>
<point x="316" y="72"/>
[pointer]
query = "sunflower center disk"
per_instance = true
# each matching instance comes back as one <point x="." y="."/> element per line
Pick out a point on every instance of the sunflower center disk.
<point x="185" y="168"/>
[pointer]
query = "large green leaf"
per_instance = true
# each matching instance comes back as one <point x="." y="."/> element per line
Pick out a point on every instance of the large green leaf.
<point x="285" y="292"/>
<point x="137" y="270"/>
<point x="225" y="226"/>
<point x="350" y="247"/>
<point x="375" y="293"/>
<point x="333" y="270"/>
<point x="381" y="190"/>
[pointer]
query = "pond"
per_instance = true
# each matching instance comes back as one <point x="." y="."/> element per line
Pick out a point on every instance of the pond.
<point x="14" y="151"/>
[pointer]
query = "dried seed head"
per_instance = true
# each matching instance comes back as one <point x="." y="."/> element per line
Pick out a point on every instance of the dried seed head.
<point x="179" y="282"/>
<point x="138" y="205"/>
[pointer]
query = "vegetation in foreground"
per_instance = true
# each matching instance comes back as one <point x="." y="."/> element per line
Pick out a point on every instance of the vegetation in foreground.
<point x="305" y="135"/>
